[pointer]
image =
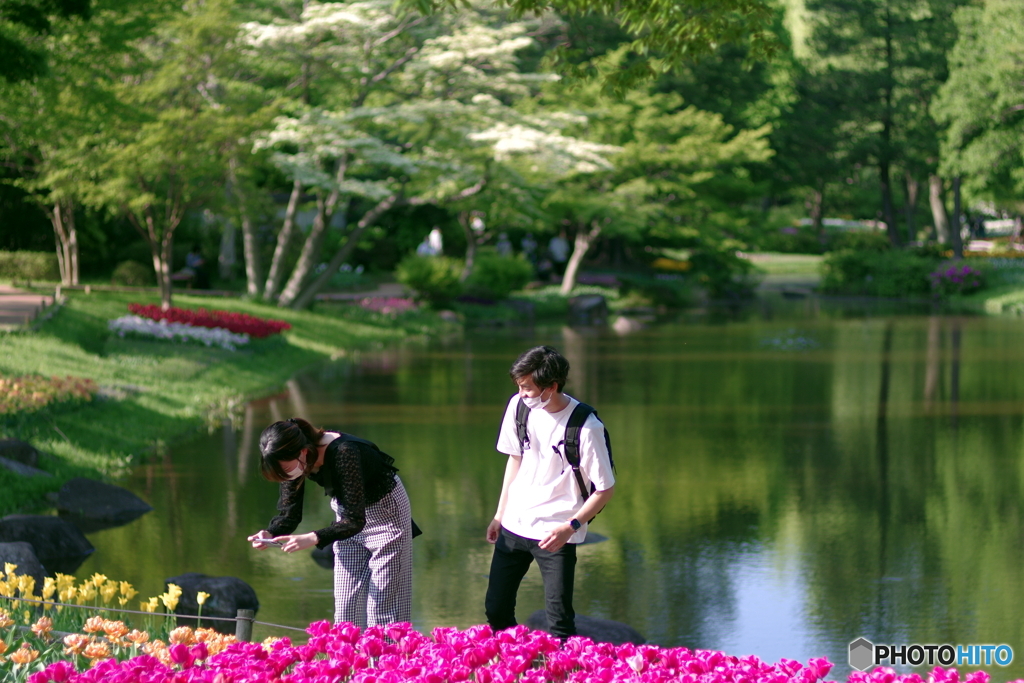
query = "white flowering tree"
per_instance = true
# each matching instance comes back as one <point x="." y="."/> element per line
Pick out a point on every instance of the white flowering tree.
<point x="428" y="112"/>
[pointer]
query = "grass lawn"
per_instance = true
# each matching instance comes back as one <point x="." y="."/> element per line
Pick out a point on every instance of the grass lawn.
<point x="155" y="391"/>
<point x="773" y="263"/>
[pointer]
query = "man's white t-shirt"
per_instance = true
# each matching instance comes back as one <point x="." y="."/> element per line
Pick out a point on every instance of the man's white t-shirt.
<point x="544" y="493"/>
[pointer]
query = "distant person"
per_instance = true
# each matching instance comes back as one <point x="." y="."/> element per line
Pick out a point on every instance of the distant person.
<point x="503" y="247"/>
<point x="424" y="249"/>
<point x="373" y="529"/>
<point x="558" y="249"/>
<point x="194" y="273"/>
<point x="436" y="242"/>
<point x="548" y="496"/>
<point x="529" y="247"/>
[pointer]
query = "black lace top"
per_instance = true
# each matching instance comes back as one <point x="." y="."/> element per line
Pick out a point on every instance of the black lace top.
<point x="355" y="473"/>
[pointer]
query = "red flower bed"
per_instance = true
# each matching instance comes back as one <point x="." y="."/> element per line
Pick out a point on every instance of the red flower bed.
<point x="240" y="323"/>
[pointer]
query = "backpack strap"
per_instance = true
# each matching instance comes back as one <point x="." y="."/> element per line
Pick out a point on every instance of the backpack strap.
<point x="577" y="419"/>
<point x="522" y="414"/>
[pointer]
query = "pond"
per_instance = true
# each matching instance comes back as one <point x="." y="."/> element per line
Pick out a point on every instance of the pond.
<point x="791" y="477"/>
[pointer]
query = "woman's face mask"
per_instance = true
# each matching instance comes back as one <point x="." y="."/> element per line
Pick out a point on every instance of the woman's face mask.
<point x="296" y="468"/>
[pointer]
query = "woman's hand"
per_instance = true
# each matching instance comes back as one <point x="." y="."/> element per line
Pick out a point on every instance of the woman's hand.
<point x="291" y="544"/>
<point x="262" y="533"/>
<point x="493" y="531"/>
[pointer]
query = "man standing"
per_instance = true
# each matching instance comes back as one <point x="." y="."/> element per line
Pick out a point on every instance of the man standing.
<point x="545" y="502"/>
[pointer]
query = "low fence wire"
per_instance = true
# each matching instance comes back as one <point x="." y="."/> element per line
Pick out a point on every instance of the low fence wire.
<point x="244" y="619"/>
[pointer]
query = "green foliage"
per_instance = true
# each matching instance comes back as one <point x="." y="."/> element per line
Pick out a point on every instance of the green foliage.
<point x="858" y="240"/>
<point x="892" y="273"/>
<point x="673" y="291"/>
<point x="667" y="33"/>
<point x="722" y="273"/>
<point x="435" y="279"/>
<point x="133" y="274"/>
<point x="495" y="277"/>
<point x="28" y="265"/>
<point x="792" y="240"/>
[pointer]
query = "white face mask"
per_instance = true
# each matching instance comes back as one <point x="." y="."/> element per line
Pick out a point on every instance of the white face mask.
<point x="298" y="471"/>
<point x="536" y="402"/>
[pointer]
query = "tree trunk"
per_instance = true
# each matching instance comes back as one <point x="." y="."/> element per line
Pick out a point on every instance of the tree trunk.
<point x="583" y="241"/>
<point x="62" y="217"/>
<point x="464" y="221"/>
<point x="284" y="239"/>
<point x="885" y="154"/>
<point x="250" y="246"/>
<point x="340" y="256"/>
<point x="939" y="218"/>
<point x="311" y="248"/>
<point x="817" y="207"/>
<point x="954" y="225"/>
<point x="161" y="243"/>
<point x="910" y="207"/>
<point x="228" y="251"/>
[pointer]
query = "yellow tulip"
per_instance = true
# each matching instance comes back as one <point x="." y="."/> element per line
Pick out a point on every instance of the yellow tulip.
<point x="201" y="597"/>
<point x="98" y="579"/>
<point x="87" y="593"/>
<point x="26" y="586"/>
<point x="64" y="581"/>
<point x="108" y="591"/>
<point x="127" y="591"/>
<point x="6" y="589"/>
<point x="9" y="569"/>
<point x="49" y="587"/>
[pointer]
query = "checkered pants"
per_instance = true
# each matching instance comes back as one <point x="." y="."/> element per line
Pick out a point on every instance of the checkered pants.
<point x="373" y="569"/>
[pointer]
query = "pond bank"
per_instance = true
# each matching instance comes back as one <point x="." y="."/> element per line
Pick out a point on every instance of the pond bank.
<point x="154" y="392"/>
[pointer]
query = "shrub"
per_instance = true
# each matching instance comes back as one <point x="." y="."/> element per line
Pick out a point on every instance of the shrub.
<point x="792" y="240"/>
<point x="496" y="276"/>
<point x="661" y="290"/>
<point x="29" y="265"/>
<point x="724" y="274"/>
<point x="132" y="274"/>
<point x="435" y="278"/>
<point x="892" y="273"/>
<point x="859" y="240"/>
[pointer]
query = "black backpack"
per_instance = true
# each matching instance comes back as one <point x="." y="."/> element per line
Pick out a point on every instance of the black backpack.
<point x="571" y="442"/>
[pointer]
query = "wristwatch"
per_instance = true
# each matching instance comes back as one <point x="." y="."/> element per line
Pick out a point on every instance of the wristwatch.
<point x="575" y="524"/>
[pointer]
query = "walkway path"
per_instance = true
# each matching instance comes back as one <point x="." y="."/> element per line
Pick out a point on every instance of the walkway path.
<point x="18" y="307"/>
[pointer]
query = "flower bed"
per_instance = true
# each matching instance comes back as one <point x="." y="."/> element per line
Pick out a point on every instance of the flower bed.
<point x="387" y="305"/>
<point x="956" y="279"/>
<point x="239" y="323"/>
<point x="397" y="653"/>
<point x="29" y="393"/>
<point x="133" y="325"/>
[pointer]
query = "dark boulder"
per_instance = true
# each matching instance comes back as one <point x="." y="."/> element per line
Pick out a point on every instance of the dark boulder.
<point x="588" y="309"/>
<point x="22" y="554"/>
<point x="228" y="594"/>
<point x="58" y="543"/>
<point x="19" y="451"/>
<point x="93" y="505"/>
<point x="598" y="630"/>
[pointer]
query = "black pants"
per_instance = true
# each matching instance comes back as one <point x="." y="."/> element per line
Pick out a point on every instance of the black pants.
<point x="512" y="557"/>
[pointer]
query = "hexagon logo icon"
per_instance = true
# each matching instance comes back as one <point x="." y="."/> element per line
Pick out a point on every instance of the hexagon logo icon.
<point x="862" y="654"/>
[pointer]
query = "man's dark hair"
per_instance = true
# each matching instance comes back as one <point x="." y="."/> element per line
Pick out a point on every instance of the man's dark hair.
<point x="547" y="366"/>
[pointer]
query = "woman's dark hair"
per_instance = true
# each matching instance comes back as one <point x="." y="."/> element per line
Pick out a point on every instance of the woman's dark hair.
<point x="283" y="442"/>
<point x="548" y="367"/>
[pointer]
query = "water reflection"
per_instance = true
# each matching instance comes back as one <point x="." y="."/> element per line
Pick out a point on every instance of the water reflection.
<point x="788" y="481"/>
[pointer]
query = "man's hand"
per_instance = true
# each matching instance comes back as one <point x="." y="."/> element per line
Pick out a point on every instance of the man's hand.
<point x="291" y="544"/>
<point x="493" y="531"/>
<point x="554" y="541"/>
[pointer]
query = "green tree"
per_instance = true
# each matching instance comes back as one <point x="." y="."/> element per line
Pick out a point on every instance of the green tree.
<point x="891" y="57"/>
<point x="24" y="26"/>
<point x="982" y="103"/>
<point x="679" y="173"/>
